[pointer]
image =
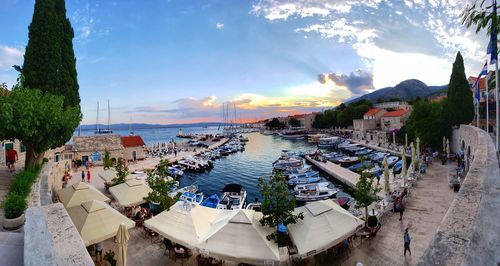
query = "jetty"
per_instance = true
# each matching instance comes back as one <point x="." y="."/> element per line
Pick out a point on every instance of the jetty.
<point x="340" y="173"/>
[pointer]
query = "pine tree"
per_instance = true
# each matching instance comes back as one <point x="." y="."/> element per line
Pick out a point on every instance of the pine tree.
<point x="49" y="61"/>
<point x="460" y="103"/>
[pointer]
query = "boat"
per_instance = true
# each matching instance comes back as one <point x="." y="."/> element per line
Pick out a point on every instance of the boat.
<point x="303" y="180"/>
<point x="360" y="166"/>
<point x="267" y="132"/>
<point x="176" y="191"/>
<point x="175" y="171"/>
<point x="391" y="160"/>
<point x="398" y="167"/>
<point x="347" y="161"/>
<point x="344" y="144"/>
<point x="212" y="201"/>
<point x="293" y="134"/>
<point x="255" y="205"/>
<point x="363" y="152"/>
<point x="374" y="170"/>
<point x="314" y="192"/>
<point x="328" y="142"/>
<point x="304" y="175"/>
<point x="233" y="197"/>
<point x="289" y="163"/>
<point x="192" y="198"/>
<point x="315" y="138"/>
<point x="304" y="169"/>
<point x="243" y="138"/>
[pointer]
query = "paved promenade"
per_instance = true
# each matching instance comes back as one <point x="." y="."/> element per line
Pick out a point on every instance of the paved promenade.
<point x="427" y="204"/>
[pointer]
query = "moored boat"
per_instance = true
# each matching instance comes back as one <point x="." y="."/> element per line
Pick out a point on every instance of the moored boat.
<point x="314" y="192"/>
<point x="212" y="201"/>
<point x="233" y="197"/>
<point x="192" y="198"/>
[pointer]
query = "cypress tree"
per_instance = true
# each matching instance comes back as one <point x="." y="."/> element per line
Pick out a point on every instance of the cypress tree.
<point x="49" y="60"/>
<point x="460" y="103"/>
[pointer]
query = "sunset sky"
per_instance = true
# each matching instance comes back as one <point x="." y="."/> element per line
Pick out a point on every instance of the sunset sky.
<point x="177" y="61"/>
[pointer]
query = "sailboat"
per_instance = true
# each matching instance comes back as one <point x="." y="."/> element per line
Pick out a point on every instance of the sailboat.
<point x="103" y="130"/>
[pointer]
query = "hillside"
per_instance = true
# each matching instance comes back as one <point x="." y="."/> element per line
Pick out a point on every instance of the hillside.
<point x="405" y="90"/>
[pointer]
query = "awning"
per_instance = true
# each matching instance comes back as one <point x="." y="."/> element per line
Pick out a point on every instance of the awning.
<point x="78" y="193"/>
<point x="130" y="193"/>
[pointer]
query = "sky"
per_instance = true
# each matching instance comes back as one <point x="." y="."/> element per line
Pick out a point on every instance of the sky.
<point x="178" y="61"/>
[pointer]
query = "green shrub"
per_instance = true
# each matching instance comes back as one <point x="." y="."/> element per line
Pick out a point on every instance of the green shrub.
<point x="14" y="205"/>
<point x="21" y="186"/>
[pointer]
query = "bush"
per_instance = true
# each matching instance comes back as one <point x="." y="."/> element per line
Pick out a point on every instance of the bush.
<point x="45" y="160"/>
<point x="14" y="205"/>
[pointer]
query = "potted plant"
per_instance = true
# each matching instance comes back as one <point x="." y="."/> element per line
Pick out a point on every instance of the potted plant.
<point x="14" y="206"/>
<point x="109" y="256"/>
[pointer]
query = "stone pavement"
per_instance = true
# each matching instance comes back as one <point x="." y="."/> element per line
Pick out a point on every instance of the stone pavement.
<point x="426" y="206"/>
<point x="11" y="242"/>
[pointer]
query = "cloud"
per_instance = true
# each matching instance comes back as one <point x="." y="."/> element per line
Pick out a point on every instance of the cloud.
<point x="219" y="26"/>
<point x="84" y="23"/>
<point x="10" y="56"/>
<point x="358" y="82"/>
<point x="394" y="40"/>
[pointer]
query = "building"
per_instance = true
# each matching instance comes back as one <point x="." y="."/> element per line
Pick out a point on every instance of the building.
<point x="394" y="120"/>
<point x="306" y="120"/>
<point x="133" y="148"/>
<point x="92" y="148"/>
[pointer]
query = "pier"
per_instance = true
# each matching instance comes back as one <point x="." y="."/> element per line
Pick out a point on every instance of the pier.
<point x="340" y="173"/>
<point x="375" y="147"/>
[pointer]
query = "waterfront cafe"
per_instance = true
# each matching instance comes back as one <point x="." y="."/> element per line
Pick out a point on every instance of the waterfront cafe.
<point x="325" y="225"/>
<point x="79" y="193"/>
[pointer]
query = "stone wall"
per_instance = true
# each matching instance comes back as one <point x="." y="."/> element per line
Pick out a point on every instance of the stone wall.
<point x="469" y="233"/>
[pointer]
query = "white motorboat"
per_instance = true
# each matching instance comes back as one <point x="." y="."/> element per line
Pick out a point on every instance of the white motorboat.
<point x="392" y="160"/>
<point x="314" y="192"/>
<point x="256" y="206"/>
<point x="243" y="138"/>
<point x="304" y="175"/>
<point x="192" y="198"/>
<point x="348" y="161"/>
<point x="304" y="169"/>
<point x="182" y="190"/>
<point x="233" y="197"/>
<point x="289" y="163"/>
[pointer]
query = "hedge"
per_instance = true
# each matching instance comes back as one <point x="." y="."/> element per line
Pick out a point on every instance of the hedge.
<point x="15" y="202"/>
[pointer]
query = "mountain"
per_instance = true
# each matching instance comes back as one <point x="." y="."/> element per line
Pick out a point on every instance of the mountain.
<point x="405" y="90"/>
<point x="125" y="126"/>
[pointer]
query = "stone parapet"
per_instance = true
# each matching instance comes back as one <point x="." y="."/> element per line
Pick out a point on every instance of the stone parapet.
<point x="469" y="233"/>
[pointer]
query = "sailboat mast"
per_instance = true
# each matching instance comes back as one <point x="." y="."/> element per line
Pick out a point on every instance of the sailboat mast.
<point x="97" y="120"/>
<point x="109" y="116"/>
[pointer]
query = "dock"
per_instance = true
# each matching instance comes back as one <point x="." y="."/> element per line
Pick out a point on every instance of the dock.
<point x="340" y="173"/>
<point x="375" y="147"/>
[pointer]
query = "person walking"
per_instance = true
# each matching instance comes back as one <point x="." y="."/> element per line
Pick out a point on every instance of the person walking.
<point x="401" y="209"/>
<point x="98" y="253"/>
<point x="11" y="159"/>
<point x="407" y="241"/>
<point x="88" y="176"/>
<point x="83" y="176"/>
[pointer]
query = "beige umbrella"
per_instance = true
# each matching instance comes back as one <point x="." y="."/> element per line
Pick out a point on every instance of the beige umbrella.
<point x="387" y="187"/>
<point x="448" y="148"/>
<point x="325" y="225"/>
<point x="418" y="148"/>
<point x="243" y="239"/>
<point x="403" y="170"/>
<point x="78" y="193"/>
<point x="96" y="221"/>
<point x="130" y="193"/>
<point x="108" y="175"/>
<point x="412" y="156"/>
<point x="122" y="238"/>
<point x="444" y="144"/>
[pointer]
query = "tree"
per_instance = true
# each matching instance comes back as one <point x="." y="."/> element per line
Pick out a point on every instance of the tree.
<point x="121" y="172"/>
<point x="428" y="121"/>
<point x="478" y="14"/>
<point x="107" y="162"/>
<point x="293" y="122"/>
<point x="49" y="60"/>
<point x="39" y="120"/>
<point x="161" y="185"/>
<point x="365" y="193"/>
<point x="4" y="90"/>
<point x="274" y="124"/>
<point x="460" y="109"/>
<point x="277" y="204"/>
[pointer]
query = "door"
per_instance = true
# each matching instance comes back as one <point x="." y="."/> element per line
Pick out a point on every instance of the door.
<point x="134" y="155"/>
<point x="84" y="160"/>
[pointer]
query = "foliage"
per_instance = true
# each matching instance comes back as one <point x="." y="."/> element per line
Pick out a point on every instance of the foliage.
<point x="365" y="193"/>
<point x="121" y="172"/>
<point x="277" y="204"/>
<point x="4" y="90"/>
<point x="107" y="162"/>
<point x="39" y="120"/>
<point x="161" y="185"/>
<point x="460" y="109"/>
<point x="343" y="115"/>
<point x="293" y="122"/>
<point x="49" y="59"/>
<point x="479" y="14"/>
<point x="275" y="124"/>
<point x="109" y="256"/>
<point x="15" y="202"/>
<point x="428" y="121"/>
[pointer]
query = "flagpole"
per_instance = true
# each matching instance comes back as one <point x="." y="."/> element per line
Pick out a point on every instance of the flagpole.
<point x="487" y="103"/>
<point x="496" y="101"/>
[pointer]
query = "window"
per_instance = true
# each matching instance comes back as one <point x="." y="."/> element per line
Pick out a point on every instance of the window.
<point x="68" y="156"/>
<point x="23" y="148"/>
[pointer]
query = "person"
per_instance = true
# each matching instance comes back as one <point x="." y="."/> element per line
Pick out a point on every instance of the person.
<point x="88" y="176"/>
<point x="175" y="152"/>
<point x="407" y="241"/>
<point x="64" y="180"/>
<point x="98" y="252"/>
<point x="83" y="176"/>
<point x="378" y="178"/>
<point x="11" y="159"/>
<point x="401" y="209"/>
<point x="397" y="204"/>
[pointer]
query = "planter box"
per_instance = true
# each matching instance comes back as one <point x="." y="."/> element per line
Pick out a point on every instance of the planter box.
<point x="13" y="224"/>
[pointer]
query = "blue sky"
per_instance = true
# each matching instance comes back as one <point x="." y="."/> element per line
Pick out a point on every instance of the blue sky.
<point x="177" y="61"/>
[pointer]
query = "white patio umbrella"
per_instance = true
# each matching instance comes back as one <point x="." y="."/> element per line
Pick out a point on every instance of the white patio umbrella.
<point x="387" y="187"/>
<point x="412" y="147"/>
<point x="122" y="238"/>
<point x="242" y="239"/>
<point x="130" y="193"/>
<point x="325" y="224"/>
<point x="448" y="148"/>
<point x="403" y="170"/>
<point x="96" y="221"/>
<point x="78" y="193"/>
<point x="444" y="144"/>
<point x="418" y="148"/>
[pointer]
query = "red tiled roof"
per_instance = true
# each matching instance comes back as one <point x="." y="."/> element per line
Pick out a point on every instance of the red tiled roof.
<point x="482" y="82"/>
<point x="373" y="111"/>
<point x="396" y="113"/>
<point x="132" y="141"/>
